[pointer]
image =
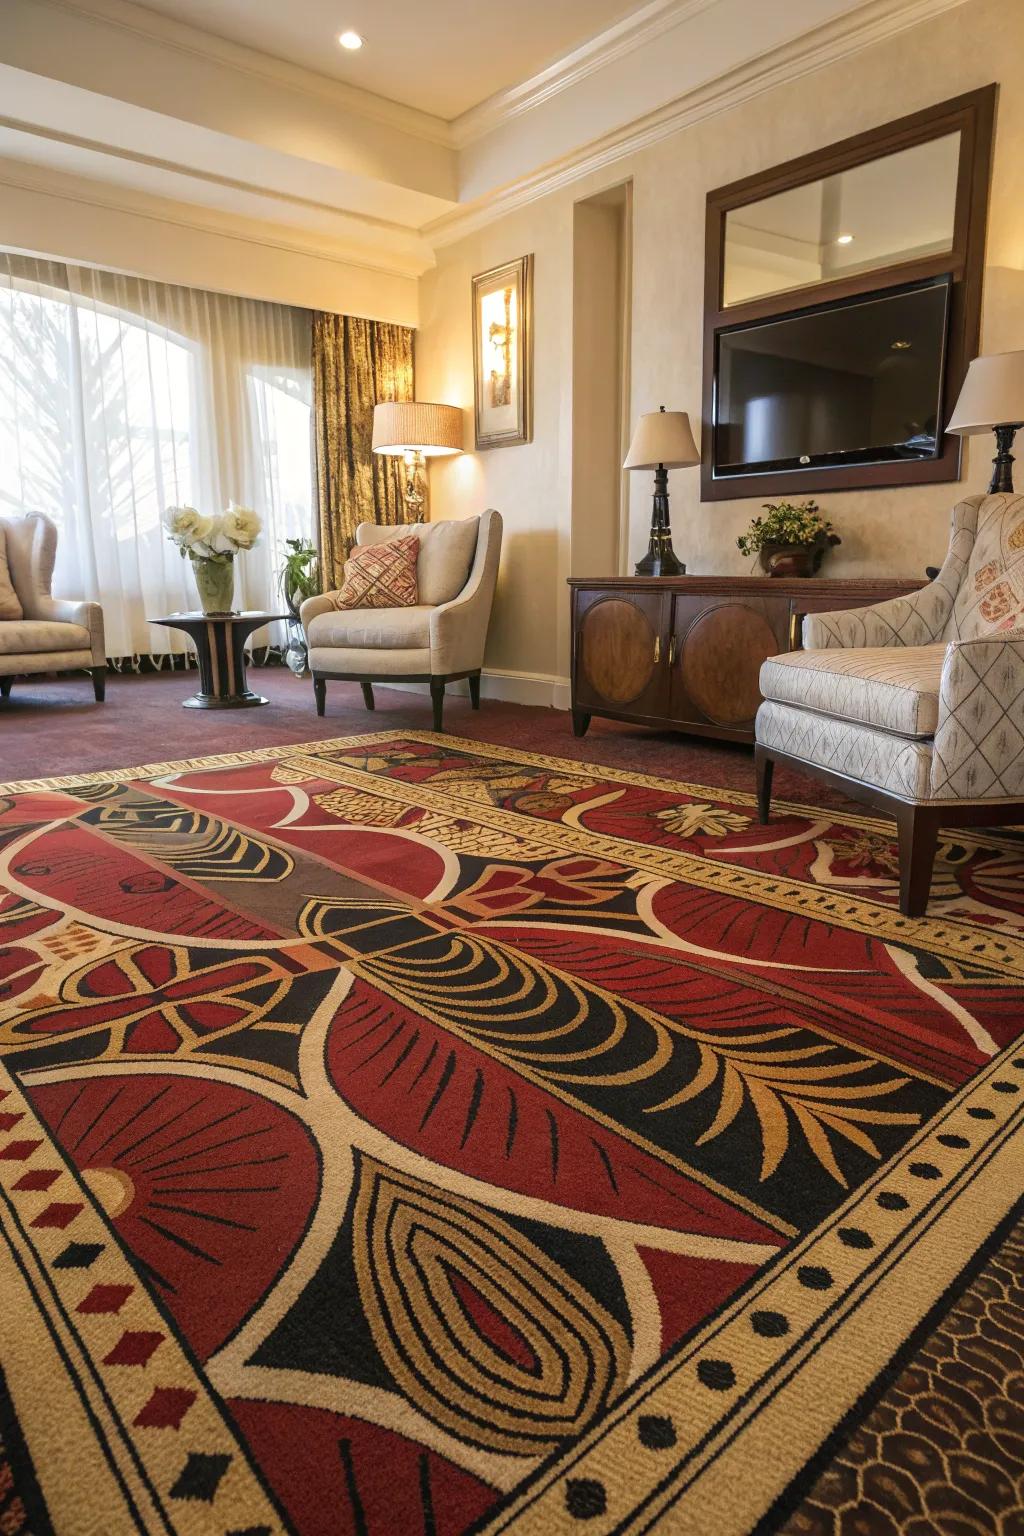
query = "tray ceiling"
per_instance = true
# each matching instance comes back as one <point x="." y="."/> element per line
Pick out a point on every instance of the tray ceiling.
<point x="442" y="56"/>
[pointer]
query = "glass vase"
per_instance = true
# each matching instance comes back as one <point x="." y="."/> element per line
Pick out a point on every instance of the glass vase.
<point x="295" y="651"/>
<point x="215" y="583"/>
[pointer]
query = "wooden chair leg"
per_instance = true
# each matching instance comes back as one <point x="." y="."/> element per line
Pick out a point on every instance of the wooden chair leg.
<point x="918" y="830"/>
<point x="99" y="683"/>
<point x="320" y="694"/>
<point x="437" y="699"/>
<point x="5" y="687"/>
<point x="764" y="768"/>
<point x="368" y="695"/>
<point x="474" y="690"/>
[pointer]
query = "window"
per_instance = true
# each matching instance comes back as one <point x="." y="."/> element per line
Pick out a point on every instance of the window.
<point x="119" y="398"/>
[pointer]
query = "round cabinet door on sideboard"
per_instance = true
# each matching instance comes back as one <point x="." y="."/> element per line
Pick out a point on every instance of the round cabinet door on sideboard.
<point x="620" y="655"/>
<point x="685" y="652"/>
<point x="717" y="651"/>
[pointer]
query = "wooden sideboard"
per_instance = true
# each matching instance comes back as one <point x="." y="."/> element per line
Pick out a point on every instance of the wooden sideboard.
<point x="684" y="652"/>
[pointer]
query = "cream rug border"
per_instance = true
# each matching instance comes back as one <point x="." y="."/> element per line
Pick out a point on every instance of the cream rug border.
<point x="580" y="766"/>
<point x="799" y="1387"/>
<point x="1001" y="950"/>
<point x="737" y="1449"/>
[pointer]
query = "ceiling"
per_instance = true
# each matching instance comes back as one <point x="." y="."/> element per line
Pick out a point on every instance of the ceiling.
<point x="296" y="170"/>
<point x="440" y="56"/>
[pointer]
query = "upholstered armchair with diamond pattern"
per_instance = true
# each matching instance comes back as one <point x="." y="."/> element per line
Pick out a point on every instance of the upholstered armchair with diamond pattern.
<point x="38" y="632"/>
<point x="915" y="705"/>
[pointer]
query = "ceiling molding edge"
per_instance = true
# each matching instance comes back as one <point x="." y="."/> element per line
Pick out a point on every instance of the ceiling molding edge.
<point x="644" y="26"/>
<point x="92" y="194"/>
<point x="380" y="229"/>
<point x="154" y="27"/>
<point x="835" y="40"/>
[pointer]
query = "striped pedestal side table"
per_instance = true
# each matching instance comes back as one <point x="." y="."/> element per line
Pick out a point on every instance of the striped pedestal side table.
<point x="219" y="639"/>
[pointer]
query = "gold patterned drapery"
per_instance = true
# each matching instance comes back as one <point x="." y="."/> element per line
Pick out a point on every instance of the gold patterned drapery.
<point x="356" y="363"/>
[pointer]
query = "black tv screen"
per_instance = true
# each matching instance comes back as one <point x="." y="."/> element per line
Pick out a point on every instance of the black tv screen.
<point x="855" y="382"/>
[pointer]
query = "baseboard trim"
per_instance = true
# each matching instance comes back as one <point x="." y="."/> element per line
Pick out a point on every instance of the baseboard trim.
<point x="544" y="689"/>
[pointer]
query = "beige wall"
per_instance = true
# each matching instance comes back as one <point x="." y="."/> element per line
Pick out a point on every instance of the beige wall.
<point x="884" y="531"/>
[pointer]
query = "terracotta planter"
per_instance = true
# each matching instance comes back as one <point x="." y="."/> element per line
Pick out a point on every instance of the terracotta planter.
<point x="215" y="583"/>
<point x="793" y="559"/>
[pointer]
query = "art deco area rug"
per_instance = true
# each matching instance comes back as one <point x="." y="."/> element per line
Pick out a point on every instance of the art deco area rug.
<point x="403" y="1135"/>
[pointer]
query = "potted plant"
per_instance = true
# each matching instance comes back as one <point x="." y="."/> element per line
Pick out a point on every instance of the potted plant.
<point x="300" y="578"/>
<point x="791" y="539"/>
<point x="211" y="543"/>
<point x="300" y="574"/>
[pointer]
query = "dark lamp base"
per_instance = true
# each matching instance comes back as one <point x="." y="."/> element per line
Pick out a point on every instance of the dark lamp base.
<point x="1002" y="464"/>
<point x="660" y="559"/>
<point x="660" y="563"/>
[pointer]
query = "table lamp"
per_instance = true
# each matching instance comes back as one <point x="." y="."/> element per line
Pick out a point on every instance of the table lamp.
<point x="662" y="441"/>
<point x="416" y="430"/>
<point x="992" y="400"/>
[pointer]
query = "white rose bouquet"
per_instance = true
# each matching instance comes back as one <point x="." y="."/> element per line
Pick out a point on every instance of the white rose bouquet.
<point x="211" y="543"/>
<point x="212" y="538"/>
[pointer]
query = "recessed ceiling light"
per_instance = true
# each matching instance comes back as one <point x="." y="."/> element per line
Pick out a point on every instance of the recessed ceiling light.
<point x="901" y="346"/>
<point x="844" y="239"/>
<point x="350" y="40"/>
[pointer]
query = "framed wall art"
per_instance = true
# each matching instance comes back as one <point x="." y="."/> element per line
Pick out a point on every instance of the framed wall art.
<point x="503" y="354"/>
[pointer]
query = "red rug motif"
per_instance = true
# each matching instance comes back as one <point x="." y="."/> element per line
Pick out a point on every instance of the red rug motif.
<point x="401" y="1134"/>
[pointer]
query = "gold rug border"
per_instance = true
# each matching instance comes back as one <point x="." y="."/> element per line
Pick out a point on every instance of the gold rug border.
<point x="274" y="751"/>
<point x="704" y="1419"/>
<point x="952" y="938"/>
<point x="579" y="1455"/>
<point x="949" y="938"/>
<point x="146" y="1460"/>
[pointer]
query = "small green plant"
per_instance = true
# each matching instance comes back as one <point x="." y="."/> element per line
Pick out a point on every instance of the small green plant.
<point x="300" y="574"/>
<point x="787" y="522"/>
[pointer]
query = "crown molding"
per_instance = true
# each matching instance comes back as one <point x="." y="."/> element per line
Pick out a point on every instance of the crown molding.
<point x="155" y="27"/>
<point x="408" y="253"/>
<point x="141" y="205"/>
<point x="644" y="26"/>
<point x="872" y="23"/>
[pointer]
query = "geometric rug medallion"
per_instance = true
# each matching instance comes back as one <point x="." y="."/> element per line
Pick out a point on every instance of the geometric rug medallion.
<point x="403" y="1134"/>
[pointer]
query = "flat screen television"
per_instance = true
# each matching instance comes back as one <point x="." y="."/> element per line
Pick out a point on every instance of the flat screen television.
<point x="858" y="381"/>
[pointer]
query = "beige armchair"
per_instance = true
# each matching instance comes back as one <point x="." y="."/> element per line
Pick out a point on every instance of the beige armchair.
<point x="51" y="634"/>
<point x="916" y="705"/>
<point x="439" y="640"/>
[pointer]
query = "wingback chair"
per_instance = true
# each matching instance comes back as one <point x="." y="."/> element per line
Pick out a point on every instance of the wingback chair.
<point x="436" y="641"/>
<point x="50" y="634"/>
<point x="915" y="705"/>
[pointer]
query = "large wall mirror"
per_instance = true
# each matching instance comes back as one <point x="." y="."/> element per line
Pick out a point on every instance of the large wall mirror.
<point x="842" y="306"/>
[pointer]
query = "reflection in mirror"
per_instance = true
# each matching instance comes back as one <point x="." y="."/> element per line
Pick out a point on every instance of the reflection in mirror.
<point x="891" y="209"/>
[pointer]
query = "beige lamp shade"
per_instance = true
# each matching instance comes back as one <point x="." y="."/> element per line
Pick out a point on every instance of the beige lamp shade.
<point x="992" y="396"/>
<point x="662" y="437"/>
<point x="404" y="426"/>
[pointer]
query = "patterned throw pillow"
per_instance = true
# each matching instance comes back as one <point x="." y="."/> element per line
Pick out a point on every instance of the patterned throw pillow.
<point x="10" y="603"/>
<point x="381" y="575"/>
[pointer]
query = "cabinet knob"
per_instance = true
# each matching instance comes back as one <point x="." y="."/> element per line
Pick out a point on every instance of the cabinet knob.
<point x="657" y="649"/>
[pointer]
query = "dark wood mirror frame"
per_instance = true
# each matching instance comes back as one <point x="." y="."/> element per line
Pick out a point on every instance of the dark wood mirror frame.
<point x="972" y="115"/>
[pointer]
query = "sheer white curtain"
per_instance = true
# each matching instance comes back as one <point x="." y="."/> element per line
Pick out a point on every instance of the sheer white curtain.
<point x="119" y="398"/>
